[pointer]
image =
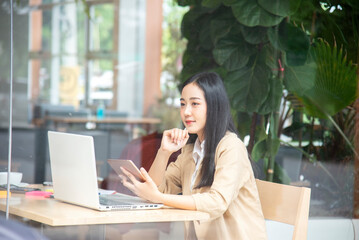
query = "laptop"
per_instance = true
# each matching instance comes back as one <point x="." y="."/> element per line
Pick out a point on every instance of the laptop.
<point x="74" y="177"/>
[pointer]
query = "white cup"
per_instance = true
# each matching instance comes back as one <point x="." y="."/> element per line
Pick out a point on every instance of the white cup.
<point x="15" y="178"/>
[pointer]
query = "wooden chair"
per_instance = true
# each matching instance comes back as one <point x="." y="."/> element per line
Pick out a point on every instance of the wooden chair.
<point x="286" y="204"/>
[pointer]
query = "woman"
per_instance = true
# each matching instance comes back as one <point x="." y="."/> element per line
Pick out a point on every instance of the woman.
<point x="213" y="171"/>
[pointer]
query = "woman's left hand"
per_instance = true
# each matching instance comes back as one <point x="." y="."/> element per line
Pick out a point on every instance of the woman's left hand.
<point x="147" y="189"/>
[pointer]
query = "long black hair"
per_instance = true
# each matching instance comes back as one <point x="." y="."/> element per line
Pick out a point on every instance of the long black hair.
<point x="218" y="122"/>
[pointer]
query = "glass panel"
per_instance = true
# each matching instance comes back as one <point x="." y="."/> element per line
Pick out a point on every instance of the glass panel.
<point x="44" y="81"/>
<point x="59" y="62"/>
<point x="81" y="16"/>
<point x="46" y="33"/>
<point x="55" y="52"/>
<point x="102" y="27"/>
<point x="101" y="82"/>
<point x="67" y="65"/>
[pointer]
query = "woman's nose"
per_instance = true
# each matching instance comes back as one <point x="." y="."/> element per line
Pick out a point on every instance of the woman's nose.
<point x="187" y="110"/>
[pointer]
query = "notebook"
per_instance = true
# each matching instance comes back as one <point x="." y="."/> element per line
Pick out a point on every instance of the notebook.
<point x="74" y="177"/>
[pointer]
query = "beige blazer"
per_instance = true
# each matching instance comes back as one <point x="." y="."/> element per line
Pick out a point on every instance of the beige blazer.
<point x="232" y="201"/>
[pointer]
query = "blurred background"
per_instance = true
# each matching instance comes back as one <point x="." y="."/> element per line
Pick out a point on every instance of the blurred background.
<point x="111" y="69"/>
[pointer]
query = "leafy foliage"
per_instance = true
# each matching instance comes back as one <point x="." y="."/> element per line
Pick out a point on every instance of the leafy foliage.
<point x="291" y="40"/>
<point x="263" y="55"/>
<point x="282" y="8"/>
<point x="251" y="14"/>
<point x="333" y="86"/>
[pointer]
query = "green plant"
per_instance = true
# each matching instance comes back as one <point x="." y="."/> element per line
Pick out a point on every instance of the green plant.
<point x="248" y="43"/>
<point x="334" y="88"/>
<point x="263" y="56"/>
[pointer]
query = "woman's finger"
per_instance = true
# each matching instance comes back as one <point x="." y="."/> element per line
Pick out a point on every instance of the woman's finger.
<point x="180" y="135"/>
<point x="174" y="135"/>
<point x="129" y="175"/>
<point x="185" y="136"/>
<point x="145" y="175"/>
<point x="174" y="139"/>
<point x="122" y="178"/>
<point x="130" y="186"/>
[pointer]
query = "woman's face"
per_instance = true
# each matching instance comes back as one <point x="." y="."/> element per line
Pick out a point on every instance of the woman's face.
<point x="194" y="109"/>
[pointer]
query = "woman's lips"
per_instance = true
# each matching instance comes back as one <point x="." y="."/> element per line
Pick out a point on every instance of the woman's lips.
<point x="189" y="122"/>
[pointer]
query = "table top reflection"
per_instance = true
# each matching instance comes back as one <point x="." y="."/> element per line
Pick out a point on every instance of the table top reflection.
<point x="52" y="212"/>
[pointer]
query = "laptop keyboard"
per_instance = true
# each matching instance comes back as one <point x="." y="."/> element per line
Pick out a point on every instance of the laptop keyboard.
<point x="110" y="200"/>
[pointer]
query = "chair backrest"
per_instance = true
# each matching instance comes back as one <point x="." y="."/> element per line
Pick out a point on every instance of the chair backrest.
<point x="286" y="204"/>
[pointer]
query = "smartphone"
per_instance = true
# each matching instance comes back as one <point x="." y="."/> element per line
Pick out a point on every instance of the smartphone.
<point x="116" y="164"/>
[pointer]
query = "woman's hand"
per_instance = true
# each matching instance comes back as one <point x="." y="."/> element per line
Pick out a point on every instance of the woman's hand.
<point x="174" y="139"/>
<point x="147" y="189"/>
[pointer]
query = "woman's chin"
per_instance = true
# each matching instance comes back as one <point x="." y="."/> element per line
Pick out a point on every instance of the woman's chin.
<point x="191" y="131"/>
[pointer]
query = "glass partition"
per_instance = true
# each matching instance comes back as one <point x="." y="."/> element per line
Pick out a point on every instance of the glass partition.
<point x="72" y="59"/>
<point x="82" y="69"/>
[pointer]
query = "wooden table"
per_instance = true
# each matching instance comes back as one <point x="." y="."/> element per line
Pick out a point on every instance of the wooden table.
<point x="51" y="212"/>
<point x="145" y="122"/>
<point x="56" y="213"/>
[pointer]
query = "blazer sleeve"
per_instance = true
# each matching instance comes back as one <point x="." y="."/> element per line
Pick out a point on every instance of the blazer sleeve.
<point x="233" y="170"/>
<point x="172" y="181"/>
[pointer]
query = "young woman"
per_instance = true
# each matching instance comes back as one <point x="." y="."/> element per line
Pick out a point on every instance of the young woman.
<point x="213" y="171"/>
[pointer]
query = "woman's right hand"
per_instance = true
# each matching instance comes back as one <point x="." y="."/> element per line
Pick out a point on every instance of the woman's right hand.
<point x="174" y="139"/>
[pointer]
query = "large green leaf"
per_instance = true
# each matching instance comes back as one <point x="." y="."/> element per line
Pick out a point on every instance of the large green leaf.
<point x="187" y="2"/>
<point x="196" y="59"/>
<point x="219" y="29"/>
<point x="259" y="150"/>
<point x="199" y="64"/>
<point x="205" y="37"/>
<point x="249" y="13"/>
<point x="335" y="85"/>
<point x="232" y="51"/>
<point x="193" y="21"/>
<point x="192" y="47"/>
<point x="274" y="97"/>
<point x="282" y="8"/>
<point x="300" y="79"/>
<point x="211" y="3"/>
<point x="292" y="40"/>
<point x="229" y="2"/>
<point x="254" y="35"/>
<point x="272" y="59"/>
<point x="221" y="24"/>
<point x="243" y="122"/>
<point x="248" y="87"/>
<point x="221" y="71"/>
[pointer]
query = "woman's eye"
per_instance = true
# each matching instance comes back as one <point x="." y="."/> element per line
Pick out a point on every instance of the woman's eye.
<point x="182" y="104"/>
<point x="194" y="103"/>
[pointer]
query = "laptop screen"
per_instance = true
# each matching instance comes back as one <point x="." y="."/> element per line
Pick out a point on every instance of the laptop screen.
<point x="73" y="167"/>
